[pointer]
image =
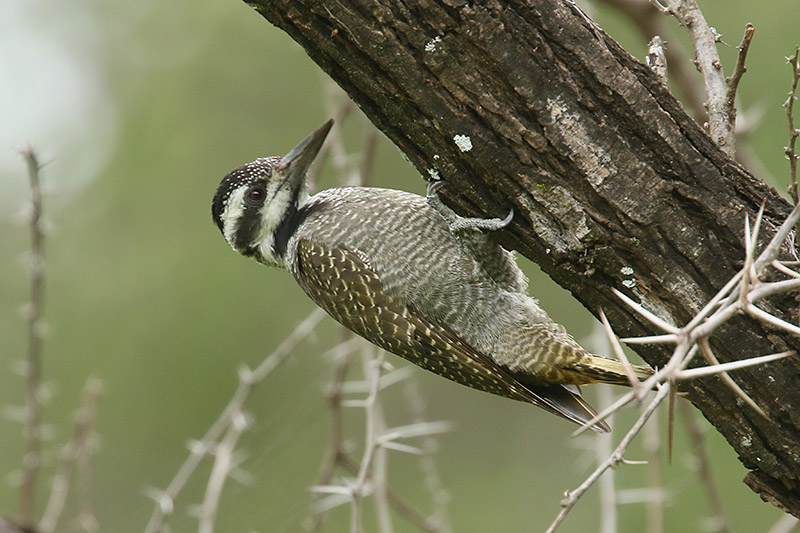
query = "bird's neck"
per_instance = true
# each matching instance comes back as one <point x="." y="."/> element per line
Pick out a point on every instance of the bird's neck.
<point x="281" y="218"/>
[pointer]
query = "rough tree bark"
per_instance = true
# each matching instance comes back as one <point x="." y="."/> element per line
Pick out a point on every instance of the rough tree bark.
<point x="605" y="171"/>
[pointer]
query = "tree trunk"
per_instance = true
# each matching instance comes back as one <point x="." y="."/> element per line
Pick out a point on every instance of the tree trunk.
<point x="529" y="104"/>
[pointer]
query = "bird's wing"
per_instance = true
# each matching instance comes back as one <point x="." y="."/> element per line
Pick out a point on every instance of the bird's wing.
<point x="349" y="289"/>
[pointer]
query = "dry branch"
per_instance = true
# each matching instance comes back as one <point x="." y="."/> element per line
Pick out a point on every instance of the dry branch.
<point x="224" y="431"/>
<point x="705" y="38"/>
<point x="33" y="362"/>
<point x="794" y="132"/>
<point x="76" y="453"/>
<point x="738" y="72"/>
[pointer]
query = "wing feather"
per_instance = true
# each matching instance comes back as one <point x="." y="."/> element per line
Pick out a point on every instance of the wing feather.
<point x="346" y="286"/>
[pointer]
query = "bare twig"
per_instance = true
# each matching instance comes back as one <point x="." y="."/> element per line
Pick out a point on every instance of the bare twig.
<point x="718" y="523"/>
<point x="600" y="342"/>
<point x="613" y="460"/>
<point x="661" y="8"/>
<point x="439" y="521"/>
<point x="336" y="451"/>
<point x="380" y="484"/>
<point x="705" y="347"/>
<point x="773" y="249"/>
<point x="248" y="380"/>
<point x="673" y="398"/>
<point x="618" y="351"/>
<point x="372" y="374"/>
<point x="224" y="463"/>
<point x="757" y="312"/>
<point x="400" y="506"/>
<point x="738" y="71"/>
<point x="77" y="451"/>
<point x="651" y="443"/>
<point x="731" y="365"/>
<point x="369" y="151"/>
<point x="705" y="38"/>
<point x="368" y="472"/>
<point x="33" y="363"/>
<point x="663" y="324"/>
<point x="791" y="149"/>
<point x="778" y="265"/>
<point x="646" y="17"/>
<point x="651" y="339"/>
<point x="607" y="484"/>
<point x="338" y="106"/>
<point x="87" y="519"/>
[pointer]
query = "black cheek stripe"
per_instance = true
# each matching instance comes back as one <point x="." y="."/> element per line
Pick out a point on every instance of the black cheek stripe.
<point x="289" y="224"/>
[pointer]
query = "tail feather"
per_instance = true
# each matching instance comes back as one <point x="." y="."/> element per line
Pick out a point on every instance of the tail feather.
<point x="604" y="370"/>
<point x="566" y="401"/>
<point x="562" y="400"/>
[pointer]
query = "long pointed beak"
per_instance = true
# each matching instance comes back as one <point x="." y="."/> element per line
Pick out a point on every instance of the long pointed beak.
<point x="295" y="164"/>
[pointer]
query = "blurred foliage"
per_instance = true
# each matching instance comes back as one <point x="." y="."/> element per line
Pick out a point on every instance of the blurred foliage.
<point x="144" y="294"/>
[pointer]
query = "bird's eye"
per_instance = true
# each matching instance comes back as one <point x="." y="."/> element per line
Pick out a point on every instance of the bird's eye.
<point x="256" y="195"/>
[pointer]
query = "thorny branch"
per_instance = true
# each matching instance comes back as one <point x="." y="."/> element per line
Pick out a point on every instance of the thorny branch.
<point x="720" y="91"/>
<point x="738" y="72"/>
<point x="338" y="455"/>
<point x="613" y="460"/>
<point x="739" y="295"/>
<point x="248" y="380"/>
<point x="336" y="450"/>
<point x="718" y="522"/>
<point x="373" y="368"/>
<point x="439" y="521"/>
<point x="794" y="132"/>
<point x="603" y="442"/>
<point x="705" y="38"/>
<point x="655" y="497"/>
<point x="33" y="364"/>
<point x="77" y="453"/>
<point x="378" y="440"/>
<point x="224" y="463"/>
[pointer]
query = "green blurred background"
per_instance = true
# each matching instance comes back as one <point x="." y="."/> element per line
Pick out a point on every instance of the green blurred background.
<point x="140" y="108"/>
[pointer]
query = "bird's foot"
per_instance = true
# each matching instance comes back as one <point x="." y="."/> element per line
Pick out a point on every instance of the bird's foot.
<point x="458" y="223"/>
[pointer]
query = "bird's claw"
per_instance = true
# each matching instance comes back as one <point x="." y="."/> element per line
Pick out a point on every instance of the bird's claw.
<point x="458" y="223"/>
<point x="433" y="187"/>
<point x="506" y="221"/>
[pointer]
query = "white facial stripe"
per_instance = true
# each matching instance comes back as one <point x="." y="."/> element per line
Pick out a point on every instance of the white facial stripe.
<point x="232" y="213"/>
<point x="275" y="207"/>
<point x="272" y="214"/>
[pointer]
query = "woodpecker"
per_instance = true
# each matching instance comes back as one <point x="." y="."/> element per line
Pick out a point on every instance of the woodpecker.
<point x="409" y="275"/>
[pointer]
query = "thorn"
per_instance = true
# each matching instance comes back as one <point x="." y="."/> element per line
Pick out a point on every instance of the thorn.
<point x="669" y="328"/>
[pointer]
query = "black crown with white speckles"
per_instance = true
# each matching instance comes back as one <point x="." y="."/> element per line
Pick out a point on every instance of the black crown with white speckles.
<point x="245" y="175"/>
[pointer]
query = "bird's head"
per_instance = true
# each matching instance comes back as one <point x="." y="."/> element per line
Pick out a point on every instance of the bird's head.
<point x="257" y="201"/>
